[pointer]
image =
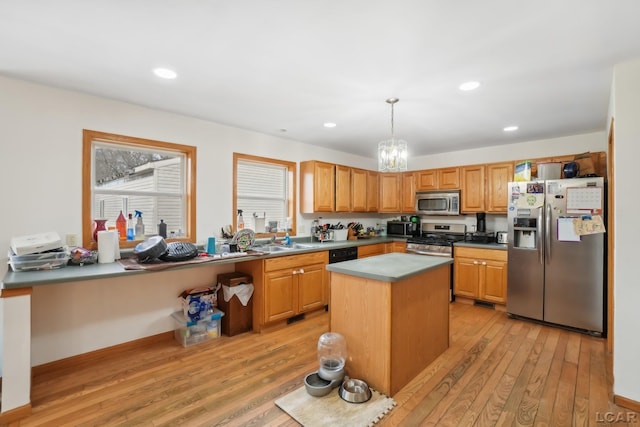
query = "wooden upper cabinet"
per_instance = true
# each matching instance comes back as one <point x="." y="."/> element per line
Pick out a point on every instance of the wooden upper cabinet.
<point x="359" y="190"/>
<point x="497" y="194"/>
<point x="449" y="179"/>
<point x="408" y="192"/>
<point x="317" y="189"/>
<point x="343" y="189"/>
<point x="389" y="198"/>
<point x="473" y="187"/>
<point x="372" y="191"/>
<point x="427" y="180"/>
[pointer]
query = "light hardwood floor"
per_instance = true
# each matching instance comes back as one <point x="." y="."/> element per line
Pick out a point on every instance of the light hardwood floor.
<point x="497" y="371"/>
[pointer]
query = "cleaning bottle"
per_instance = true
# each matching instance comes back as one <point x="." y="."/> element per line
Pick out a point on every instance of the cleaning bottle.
<point x="162" y="229"/>
<point x="240" y="220"/>
<point x="287" y="240"/>
<point x="121" y="226"/>
<point x="139" y="227"/>
<point x="130" y="229"/>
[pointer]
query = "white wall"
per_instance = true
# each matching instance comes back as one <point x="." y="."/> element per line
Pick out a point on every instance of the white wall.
<point x="625" y="108"/>
<point x="40" y="165"/>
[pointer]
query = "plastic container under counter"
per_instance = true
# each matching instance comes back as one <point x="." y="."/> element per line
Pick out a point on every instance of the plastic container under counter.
<point x="188" y="333"/>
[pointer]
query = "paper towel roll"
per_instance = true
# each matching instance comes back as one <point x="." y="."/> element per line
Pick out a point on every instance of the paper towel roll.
<point x="107" y="241"/>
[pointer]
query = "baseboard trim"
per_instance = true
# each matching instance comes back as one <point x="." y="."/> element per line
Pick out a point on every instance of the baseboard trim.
<point x="99" y="354"/>
<point x="15" y="414"/>
<point x="626" y="403"/>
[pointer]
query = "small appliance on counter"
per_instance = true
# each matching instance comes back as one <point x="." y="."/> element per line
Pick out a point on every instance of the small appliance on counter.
<point x="480" y="237"/>
<point x="501" y="237"/>
<point x="409" y="228"/>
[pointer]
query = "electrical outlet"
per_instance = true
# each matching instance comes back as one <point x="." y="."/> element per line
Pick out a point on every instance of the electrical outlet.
<point x="71" y="239"/>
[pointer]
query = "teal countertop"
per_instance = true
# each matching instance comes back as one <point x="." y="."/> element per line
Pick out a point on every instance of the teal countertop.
<point x="26" y="279"/>
<point x="392" y="267"/>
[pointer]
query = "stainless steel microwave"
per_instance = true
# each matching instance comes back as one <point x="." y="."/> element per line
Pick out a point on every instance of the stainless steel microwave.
<point x="403" y="228"/>
<point x="438" y="203"/>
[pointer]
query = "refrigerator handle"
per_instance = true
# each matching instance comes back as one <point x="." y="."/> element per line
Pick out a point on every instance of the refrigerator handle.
<point x="547" y="231"/>
<point x="540" y="248"/>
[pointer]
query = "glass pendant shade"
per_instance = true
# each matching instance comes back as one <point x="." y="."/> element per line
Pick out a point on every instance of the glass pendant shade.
<point x="392" y="153"/>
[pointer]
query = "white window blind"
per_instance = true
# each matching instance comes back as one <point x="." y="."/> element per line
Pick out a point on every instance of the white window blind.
<point x="261" y="189"/>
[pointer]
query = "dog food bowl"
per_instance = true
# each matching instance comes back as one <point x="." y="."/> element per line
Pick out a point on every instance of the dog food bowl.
<point x="355" y="391"/>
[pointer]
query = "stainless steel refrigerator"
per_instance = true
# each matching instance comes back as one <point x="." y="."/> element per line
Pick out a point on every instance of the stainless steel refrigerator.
<point x="556" y="249"/>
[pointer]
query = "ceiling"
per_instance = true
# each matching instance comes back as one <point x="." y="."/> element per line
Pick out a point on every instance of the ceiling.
<point x="285" y="67"/>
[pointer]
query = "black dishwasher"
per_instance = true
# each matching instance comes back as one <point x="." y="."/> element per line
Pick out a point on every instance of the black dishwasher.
<point x="342" y="254"/>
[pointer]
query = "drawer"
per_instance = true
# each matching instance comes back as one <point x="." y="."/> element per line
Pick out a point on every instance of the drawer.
<point x="295" y="261"/>
<point x="477" y="253"/>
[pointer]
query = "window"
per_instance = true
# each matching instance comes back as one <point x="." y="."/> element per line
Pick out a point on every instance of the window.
<point x="264" y="189"/>
<point x="128" y="174"/>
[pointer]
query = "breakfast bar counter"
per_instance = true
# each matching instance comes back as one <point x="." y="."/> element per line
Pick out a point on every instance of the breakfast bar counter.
<point x="393" y="311"/>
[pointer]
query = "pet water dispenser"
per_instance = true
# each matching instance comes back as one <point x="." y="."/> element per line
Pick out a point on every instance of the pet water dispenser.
<point x="332" y="354"/>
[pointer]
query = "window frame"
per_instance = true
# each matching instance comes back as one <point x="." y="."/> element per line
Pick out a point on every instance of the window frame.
<point x="291" y="190"/>
<point x="89" y="136"/>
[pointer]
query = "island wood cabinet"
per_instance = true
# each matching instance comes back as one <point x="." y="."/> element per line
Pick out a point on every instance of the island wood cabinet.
<point x="397" y="192"/>
<point x="287" y="286"/>
<point x="480" y="274"/>
<point x="397" y="246"/>
<point x="317" y="186"/>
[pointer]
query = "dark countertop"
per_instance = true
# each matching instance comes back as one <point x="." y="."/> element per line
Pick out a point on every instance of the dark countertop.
<point x="499" y="246"/>
<point x="392" y="267"/>
<point x="26" y="279"/>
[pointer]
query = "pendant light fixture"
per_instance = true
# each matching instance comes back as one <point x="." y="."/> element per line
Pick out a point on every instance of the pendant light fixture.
<point x="392" y="153"/>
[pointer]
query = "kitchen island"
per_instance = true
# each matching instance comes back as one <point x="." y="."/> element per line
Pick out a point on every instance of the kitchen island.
<point x="393" y="311"/>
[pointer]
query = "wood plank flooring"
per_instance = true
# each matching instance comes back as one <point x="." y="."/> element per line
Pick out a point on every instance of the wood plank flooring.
<point x="498" y="371"/>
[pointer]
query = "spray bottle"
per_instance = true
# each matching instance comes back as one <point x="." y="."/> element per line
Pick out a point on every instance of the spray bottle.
<point x="139" y="227"/>
<point x="240" y="220"/>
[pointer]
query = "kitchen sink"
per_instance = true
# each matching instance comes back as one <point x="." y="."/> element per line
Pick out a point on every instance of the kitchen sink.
<point x="273" y="248"/>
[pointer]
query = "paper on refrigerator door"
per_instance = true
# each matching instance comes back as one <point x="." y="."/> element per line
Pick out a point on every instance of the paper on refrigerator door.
<point x="566" y="230"/>
<point x="530" y="201"/>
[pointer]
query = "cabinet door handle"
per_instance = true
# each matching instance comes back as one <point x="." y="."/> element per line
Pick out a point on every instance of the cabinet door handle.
<point x="475" y="262"/>
<point x="484" y="262"/>
<point x="301" y="271"/>
<point x="295" y="272"/>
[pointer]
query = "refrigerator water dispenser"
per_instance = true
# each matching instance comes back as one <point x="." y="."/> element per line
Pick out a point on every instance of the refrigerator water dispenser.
<point x="525" y="239"/>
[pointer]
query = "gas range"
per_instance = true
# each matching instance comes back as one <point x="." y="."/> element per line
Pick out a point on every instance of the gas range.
<point x="437" y="239"/>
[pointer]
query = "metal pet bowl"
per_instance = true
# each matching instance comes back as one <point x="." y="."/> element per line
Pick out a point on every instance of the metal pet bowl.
<point x="317" y="386"/>
<point x="355" y="391"/>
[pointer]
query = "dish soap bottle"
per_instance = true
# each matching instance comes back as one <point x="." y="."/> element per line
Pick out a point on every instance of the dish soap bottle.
<point x="130" y="229"/>
<point x="139" y="227"/>
<point x="240" y="220"/>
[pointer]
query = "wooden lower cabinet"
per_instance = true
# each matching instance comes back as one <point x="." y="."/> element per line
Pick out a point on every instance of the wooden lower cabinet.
<point x="371" y="250"/>
<point x="480" y="274"/>
<point x="287" y="286"/>
<point x="397" y="247"/>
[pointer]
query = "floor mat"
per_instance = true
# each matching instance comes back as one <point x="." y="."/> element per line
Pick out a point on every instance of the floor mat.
<point x="331" y="410"/>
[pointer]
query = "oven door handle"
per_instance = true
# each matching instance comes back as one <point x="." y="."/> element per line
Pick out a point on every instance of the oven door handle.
<point x="440" y="254"/>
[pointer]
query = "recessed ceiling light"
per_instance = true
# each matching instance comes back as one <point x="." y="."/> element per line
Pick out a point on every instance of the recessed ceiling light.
<point x="510" y="128"/>
<point x="469" y="86"/>
<point x="165" y="73"/>
<point x="329" y="125"/>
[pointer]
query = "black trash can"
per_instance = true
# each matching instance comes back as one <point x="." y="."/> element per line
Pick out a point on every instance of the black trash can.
<point x="237" y="318"/>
